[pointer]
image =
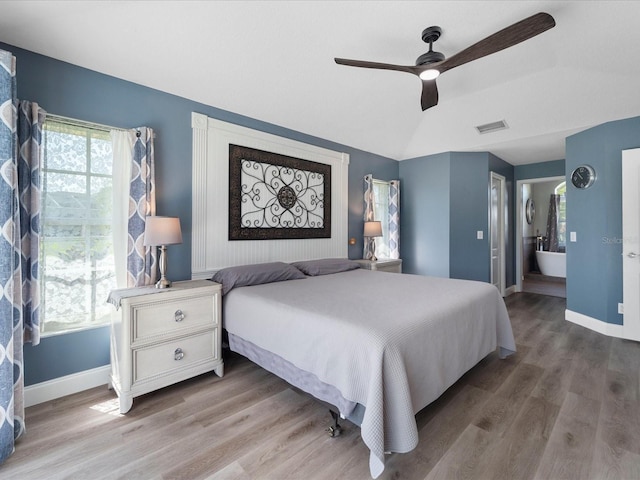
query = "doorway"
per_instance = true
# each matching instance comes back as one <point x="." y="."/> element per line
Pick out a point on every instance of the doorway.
<point x="527" y="229"/>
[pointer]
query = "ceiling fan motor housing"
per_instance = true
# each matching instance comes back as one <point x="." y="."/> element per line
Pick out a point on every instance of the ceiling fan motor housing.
<point x="429" y="57"/>
<point x="430" y="35"/>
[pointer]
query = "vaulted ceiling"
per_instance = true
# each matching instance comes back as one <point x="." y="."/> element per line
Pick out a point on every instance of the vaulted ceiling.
<point x="273" y="61"/>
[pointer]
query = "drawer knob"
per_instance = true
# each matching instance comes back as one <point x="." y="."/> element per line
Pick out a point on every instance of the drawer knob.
<point x="179" y="316"/>
<point x="178" y="354"/>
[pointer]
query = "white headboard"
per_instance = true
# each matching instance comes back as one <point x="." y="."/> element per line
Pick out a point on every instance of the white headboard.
<point x="210" y="248"/>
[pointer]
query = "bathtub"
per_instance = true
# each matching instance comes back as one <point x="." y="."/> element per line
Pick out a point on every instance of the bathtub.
<point x="553" y="264"/>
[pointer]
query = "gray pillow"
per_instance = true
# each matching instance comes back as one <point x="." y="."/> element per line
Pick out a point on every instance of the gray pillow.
<point x="246" y="275"/>
<point x="325" y="266"/>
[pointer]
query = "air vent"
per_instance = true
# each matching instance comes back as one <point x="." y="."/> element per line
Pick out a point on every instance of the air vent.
<point x="492" y="127"/>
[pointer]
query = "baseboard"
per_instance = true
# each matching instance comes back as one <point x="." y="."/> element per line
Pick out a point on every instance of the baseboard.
<point x="510" y="290"/>
<point x="609" y="329"/>
<point x="67" y="385"/>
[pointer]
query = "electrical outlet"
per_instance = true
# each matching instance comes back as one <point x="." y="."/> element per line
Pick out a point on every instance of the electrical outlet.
<point x="621" y="308"/>
<point x="572" y="237"/>
<point x="480" y="234"/>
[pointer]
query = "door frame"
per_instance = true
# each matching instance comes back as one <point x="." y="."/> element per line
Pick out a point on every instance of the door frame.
<point x="520" y="219"/>
<point x="630" y="244"/>
<point x="501" y="230"/>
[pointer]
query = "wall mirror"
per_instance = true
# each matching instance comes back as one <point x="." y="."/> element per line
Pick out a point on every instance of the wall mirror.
<point x="530" y="210"/>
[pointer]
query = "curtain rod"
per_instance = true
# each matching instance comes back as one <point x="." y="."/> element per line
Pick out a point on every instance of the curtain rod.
<point x="100" y="126"/>
<point x="75" y="121"/>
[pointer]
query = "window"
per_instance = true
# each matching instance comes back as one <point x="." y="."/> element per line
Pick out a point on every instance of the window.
<point x="381" y="212"/>
<point x="562" y="214"/>
<point x="77" y="250"/>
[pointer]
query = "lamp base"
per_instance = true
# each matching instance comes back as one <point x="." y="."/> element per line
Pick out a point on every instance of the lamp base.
<point x="163" y="283"/>
<point x="372" y="251"/>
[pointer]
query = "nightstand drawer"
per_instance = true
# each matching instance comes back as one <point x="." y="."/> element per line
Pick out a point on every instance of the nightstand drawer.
<point x="164" y="318"/>
<point x="163" y="358"/>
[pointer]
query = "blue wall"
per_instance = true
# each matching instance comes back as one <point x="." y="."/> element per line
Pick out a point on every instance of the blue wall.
<point x="594" y="264"/>
<point x="554" y="168"/>
<point x="67" y="90"/>
<point x="445" y="203"/>
<point x="424" y="215"/>
<point x="469" y="257"/>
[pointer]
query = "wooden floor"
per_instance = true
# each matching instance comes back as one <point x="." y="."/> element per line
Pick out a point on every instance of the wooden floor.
<point x="544" y="285"/>
<point x="566" y="406"/>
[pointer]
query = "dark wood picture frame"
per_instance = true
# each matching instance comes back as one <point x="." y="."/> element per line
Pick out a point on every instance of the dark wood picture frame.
<point x="289" y="198"/>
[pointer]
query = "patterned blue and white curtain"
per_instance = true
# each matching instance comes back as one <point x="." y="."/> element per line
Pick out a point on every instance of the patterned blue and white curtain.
<point x="30" y="160"/>
<point x="11" y="379"/>
<point x="133" y="174"/>
<point x="394" y="219"/>
<point x="20" y="169"/>
<point x="369" y="215"/>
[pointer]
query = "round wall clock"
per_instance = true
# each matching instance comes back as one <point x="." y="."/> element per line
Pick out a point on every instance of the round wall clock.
<point x="583" y="176"/>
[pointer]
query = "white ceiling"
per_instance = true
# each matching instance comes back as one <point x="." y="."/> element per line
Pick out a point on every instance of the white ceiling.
<point x="273" y="61"/>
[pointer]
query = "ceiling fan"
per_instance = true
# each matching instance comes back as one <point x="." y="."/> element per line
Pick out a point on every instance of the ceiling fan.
<point x="431" y="64"/>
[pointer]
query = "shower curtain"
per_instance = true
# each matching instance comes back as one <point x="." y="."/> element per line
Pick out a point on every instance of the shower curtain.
<point x="551" y="242"/>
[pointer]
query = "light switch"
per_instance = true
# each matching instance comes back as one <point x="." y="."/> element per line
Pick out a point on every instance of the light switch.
<point x="480" y="235"/>
<point x="572" y="236"/>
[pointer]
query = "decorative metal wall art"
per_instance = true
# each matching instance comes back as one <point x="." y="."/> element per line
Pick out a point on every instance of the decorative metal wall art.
<point x="273" y="196"/>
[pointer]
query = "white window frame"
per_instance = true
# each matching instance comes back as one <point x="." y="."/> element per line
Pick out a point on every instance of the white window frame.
<point x="98" y="308"/>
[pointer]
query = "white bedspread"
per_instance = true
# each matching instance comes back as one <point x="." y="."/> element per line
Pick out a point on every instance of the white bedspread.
<point x="391" y="342"/>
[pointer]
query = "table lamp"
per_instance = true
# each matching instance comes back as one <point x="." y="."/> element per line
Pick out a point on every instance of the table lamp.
<point x="371" y="230"/>
<point x="160" y="232"/>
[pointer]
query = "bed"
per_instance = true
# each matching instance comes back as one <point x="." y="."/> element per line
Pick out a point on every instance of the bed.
<point x="378" y="346"/>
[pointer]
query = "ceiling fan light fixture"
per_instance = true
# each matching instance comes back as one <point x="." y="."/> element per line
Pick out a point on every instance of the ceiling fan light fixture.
<point x="430" y="74"/>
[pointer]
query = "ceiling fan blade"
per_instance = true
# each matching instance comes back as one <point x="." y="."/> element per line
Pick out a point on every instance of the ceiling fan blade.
<point x="505" y="38"/>
<point x="429" y="94"/>
<point x="380" y="66"/>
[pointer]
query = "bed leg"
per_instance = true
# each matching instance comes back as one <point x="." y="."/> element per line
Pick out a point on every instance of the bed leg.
<point x="334" y="430"/>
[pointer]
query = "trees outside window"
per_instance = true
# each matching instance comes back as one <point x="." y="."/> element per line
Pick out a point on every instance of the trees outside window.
<point x="77" y="249"/>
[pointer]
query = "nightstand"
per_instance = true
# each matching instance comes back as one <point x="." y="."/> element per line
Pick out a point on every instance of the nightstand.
<point x="382" y="265"/>
<point x="164" y="337"/>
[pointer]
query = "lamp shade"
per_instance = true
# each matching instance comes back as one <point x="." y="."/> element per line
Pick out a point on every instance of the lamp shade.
<point x="162" y="231"/>
<point x="372" y="229"/>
